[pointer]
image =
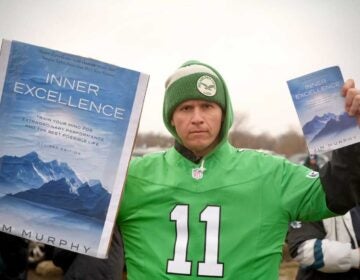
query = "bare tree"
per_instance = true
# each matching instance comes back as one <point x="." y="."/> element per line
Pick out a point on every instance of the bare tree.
<point x="153" y="140"/>
<point x="290" y="143"/>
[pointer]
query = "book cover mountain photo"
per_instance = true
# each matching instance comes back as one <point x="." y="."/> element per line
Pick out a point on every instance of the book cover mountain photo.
<point x="67" y="125"/>
<point x="53" y="184"/>
<point x="320" y="108"/>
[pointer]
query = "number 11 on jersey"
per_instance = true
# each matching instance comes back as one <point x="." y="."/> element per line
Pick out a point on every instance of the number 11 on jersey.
<point x="210" y="266"/>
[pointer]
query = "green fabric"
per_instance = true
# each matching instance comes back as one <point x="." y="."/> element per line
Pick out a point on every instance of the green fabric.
<point x="257" y="194"/>
<point x="186" y="88"/>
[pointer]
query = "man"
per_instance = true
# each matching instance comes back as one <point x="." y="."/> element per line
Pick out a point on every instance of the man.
<point x="312" y="162"/>
<point x="204" y="209"/>
<point x="327" y="249"/>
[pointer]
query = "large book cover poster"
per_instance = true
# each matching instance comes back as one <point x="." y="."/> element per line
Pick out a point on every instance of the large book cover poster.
<point x="321" y="110"/>
<point x="67" y="125"/>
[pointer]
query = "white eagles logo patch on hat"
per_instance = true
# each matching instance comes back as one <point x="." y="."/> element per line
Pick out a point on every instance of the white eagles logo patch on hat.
<point x="206" y="85"/>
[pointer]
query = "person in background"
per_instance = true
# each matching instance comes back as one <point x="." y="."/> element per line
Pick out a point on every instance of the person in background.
<point x="326" y="249"/>
<point x="311" y="161"/>
<point x="204" y="209"/>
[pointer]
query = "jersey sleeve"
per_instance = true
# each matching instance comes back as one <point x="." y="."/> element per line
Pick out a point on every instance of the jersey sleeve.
<point x="309" y="196"/>
<point x="301" y="193"/>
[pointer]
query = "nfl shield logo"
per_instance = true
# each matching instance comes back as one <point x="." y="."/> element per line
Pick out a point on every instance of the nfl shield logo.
<point x="197" y="173"/>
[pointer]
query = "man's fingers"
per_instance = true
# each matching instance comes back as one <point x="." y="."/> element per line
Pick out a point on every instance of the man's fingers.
<point x="349" y="99"/>
<point x="350" y="83"/>
<point x="352" y="99"/>
<point x="354" y="107"/>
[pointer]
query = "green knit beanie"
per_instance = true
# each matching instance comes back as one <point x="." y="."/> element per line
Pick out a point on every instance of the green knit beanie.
<point x="193" y="80"/>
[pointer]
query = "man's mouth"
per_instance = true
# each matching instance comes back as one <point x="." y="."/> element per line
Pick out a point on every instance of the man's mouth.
<point x="197" y="131"/>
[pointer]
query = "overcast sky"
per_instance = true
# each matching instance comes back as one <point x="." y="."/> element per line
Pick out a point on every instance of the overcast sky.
<point x="256" y="45"/>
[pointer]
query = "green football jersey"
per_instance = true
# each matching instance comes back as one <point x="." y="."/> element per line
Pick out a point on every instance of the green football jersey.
<point x="224" y="218"/>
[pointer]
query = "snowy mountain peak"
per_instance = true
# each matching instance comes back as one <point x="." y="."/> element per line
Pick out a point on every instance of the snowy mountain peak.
<point x="312" y="127"/>
<point x="31" y="156"/>
<point x="93" y="182"/>
<point x="59" y="194"/>
<point x="30" y="171"/>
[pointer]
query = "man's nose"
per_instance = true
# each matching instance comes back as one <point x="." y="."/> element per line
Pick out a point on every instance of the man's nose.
<point x="197" y="116"/>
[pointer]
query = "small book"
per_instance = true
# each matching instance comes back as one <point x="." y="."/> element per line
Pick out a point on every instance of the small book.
<point x="68" y="124"/>
<point x="321" y="110"/>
